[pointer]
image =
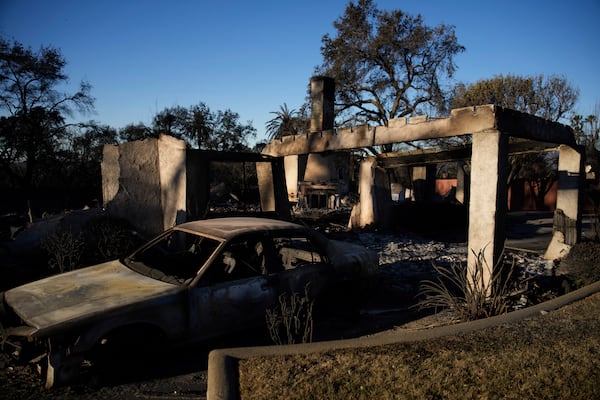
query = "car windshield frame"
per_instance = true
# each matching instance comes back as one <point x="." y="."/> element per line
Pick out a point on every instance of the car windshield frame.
<point x="176" y="256"/>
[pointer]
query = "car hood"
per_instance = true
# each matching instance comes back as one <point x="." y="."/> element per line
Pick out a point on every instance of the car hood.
<point x="351" y="260"/>
<point x="82" y="294"/>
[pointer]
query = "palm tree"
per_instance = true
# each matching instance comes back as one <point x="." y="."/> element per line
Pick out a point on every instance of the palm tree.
<point x="592" y="120"/>
<point x="284" y="123"/>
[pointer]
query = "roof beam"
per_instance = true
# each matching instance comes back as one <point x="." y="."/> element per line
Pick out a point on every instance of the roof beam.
<point x="462" y="121"/>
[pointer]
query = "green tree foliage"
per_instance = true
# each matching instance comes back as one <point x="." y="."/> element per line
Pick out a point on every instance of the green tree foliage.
<point x="587" y="129"/>
<point x="551" y="98"/>
<point x="172" y="121"/>
<point x="386" y="64"/>
<point x="133" y="132"/>
<point x="228" y="134"/>
<point x="79" y="165"/>
<point x="32" y="125"/>
<point x="89" y="140"/>
<point x="205" y="129"/>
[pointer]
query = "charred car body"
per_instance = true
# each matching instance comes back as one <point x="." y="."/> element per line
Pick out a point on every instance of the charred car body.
<point x="195" y="281"/>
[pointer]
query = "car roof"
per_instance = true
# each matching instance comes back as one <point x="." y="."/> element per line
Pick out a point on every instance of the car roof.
<point x="228" y="228"/>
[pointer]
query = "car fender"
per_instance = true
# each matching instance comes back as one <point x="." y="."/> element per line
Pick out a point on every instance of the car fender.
<point x="167" y="315"/>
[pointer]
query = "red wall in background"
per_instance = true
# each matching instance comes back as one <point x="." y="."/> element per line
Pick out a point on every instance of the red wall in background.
<point x="520" y="197"/>
<point x="444" y="186"/>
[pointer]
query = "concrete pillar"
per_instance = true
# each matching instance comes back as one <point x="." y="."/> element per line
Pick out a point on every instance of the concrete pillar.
<point x="487" y="206"/>
<point x="423" y="181"/>
<point x="322" y="97"/>
<point x="462" y="183"/>
<point x="282" y="204"/>
<point x="567" y="217"/>
<point x="291" y="176"/>
<point x="110" y="172"/>
<point x="272" y="188"/>
<point x="172" y="175"/>
<point x="266" y="186"/>
<point x="375" y="204"/>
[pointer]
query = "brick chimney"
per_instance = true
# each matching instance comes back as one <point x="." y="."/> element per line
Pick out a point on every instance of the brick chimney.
<point x="322" y="98"/>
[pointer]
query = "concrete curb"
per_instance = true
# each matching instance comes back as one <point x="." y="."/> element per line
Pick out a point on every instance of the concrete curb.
<point x="223" y="383"/>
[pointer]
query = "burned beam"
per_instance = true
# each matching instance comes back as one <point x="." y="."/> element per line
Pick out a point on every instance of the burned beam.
<point x="433" y="156"/>
<point x="423" y="157"/>
<point x="462" y="121"/>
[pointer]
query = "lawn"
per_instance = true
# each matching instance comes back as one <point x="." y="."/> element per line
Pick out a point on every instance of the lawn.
<point x="550" y="356"/>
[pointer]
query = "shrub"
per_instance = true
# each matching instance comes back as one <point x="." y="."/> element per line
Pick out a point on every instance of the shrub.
<point x="108" y="238"/>
<point x="64" y="249"/>
<point x="467" y="293"/>
<point x="292" y="321"/>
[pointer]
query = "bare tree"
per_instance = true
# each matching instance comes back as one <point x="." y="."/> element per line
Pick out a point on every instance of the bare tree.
<point x="551" y="98"/>
<point x="386" y="64"/>
<point x="33" y="126"/>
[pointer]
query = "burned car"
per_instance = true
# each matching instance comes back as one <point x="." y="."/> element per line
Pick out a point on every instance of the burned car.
<point x="196" y="281"/>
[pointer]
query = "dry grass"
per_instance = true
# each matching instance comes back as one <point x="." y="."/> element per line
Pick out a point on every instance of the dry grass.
<point x="292" y="321"/>
<point x="552" y="356"/>
<point x="466" y="291"/>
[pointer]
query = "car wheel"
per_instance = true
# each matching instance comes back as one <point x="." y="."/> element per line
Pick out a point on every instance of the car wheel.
<point x="60" y="368"/>
<point x="126" y="347"/>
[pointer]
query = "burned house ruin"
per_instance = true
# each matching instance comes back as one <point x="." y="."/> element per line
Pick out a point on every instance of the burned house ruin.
<point x="496" y="132"/>
<point x="159" y="183"/>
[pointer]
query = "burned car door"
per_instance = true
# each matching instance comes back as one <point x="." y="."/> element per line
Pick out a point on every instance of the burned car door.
<point x="247" y="278"/>
<point x="233" y="292"/>
<point x="305" y="267"/>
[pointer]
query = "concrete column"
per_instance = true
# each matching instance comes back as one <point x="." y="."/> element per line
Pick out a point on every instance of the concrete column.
<point x="266" y="187"/>
<point x="487" y="206"/>
<point x="291" y="176"/>
<point x="423" y="180"/>
<point x="567" y="217"/>
<point x="375" y="204"/>
<point x="462" y="183"/>
<point x="272" y="188"/>
<point x="282" y="204"/>
<point x="172" y="177"/>
<point x="110" y="172"/>
<point x="322" y="97"/>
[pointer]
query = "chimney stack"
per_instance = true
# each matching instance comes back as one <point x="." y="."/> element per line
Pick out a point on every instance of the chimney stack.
<point x="322" y="98"/>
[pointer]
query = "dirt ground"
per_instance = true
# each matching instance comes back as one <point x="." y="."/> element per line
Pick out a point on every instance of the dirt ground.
<point x="182" y="374"/>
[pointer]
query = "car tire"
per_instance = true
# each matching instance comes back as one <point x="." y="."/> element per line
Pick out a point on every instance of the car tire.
<point x="123" y="351"/>
<point x="59" y="368"/>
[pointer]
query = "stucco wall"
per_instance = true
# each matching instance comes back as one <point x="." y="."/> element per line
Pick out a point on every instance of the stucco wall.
<point x="110" y="172"/>
<point x="172" y="176"/>
<point x="144" y="182"/>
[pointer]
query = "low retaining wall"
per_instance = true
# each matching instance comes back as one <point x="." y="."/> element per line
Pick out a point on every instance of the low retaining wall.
<point x="223" y="383"/>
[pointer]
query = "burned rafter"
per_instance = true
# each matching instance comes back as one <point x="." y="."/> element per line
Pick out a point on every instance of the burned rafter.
<point x="434" y="156"/>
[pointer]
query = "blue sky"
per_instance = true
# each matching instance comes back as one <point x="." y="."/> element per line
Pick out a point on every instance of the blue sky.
<point x="253" y="56"/>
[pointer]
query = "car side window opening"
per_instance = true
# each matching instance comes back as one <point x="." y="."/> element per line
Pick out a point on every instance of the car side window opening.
<point x="296" y="251"/>
<point x="176" y="257"/>
<point x="237" y="260"/>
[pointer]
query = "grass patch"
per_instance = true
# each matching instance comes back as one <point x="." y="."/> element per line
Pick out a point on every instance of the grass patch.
<point x="553" y="356"/>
